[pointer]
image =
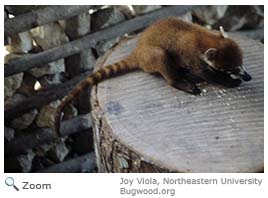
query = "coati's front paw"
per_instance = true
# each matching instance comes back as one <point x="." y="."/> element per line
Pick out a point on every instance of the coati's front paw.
<point x="187" y="87"/>
<point x="196" y="91"/>
<point x="234" y="83"/>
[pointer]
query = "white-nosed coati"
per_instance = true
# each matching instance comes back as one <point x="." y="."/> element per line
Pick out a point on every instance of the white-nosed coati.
<point x="177" y="50"/>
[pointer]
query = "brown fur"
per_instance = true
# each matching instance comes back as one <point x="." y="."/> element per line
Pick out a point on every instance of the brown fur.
<point x="169" y="47"/>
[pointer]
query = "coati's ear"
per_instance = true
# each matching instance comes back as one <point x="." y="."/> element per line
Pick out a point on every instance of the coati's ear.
<point x="223" y="33"/>
<point x="210" y="54"/>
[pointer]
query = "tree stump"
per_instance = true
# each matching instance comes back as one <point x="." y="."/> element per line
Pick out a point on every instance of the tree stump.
<point x="141" y="124"/>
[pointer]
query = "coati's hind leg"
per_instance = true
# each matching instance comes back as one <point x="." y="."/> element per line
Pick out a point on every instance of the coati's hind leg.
<point x="157" y="60"/>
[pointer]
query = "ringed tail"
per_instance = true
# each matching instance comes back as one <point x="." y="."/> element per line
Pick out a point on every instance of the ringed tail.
<point x="91" y="80"/>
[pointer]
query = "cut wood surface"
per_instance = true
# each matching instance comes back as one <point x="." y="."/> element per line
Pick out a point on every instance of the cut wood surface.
<point x="141" y="124"/>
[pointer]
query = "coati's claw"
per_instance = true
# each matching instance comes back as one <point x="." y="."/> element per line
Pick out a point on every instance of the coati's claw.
<point x="196" y="91"/>
<point x="186" y="86"/>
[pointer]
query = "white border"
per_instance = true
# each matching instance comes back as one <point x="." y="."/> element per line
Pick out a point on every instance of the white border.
<point x="107" y="185"/>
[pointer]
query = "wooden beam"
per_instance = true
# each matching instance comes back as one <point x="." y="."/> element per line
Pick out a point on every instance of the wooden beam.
<point x="73" y="165"/>
<point x="256" y="34"/>
<point x="42" y="98"/>
<point x="41" y="59"/>
<point x="46" y="135"/>
<point x="41" y="16"/>
<point x="46" y="96"/>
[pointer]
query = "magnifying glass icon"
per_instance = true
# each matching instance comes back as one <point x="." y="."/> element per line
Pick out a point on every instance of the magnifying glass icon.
<point x="10" y="182"/>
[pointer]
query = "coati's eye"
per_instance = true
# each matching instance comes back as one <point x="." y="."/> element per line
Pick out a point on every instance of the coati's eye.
<point x="236" y="70"/>
<point x="233" y="71"/>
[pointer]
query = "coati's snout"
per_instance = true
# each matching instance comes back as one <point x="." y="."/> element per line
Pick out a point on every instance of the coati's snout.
<point x="240" y="73"/>
<point x="246" y="77"/>
<point x="227" y="58"/>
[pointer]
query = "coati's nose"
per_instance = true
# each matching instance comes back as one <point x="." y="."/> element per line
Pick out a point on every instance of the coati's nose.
<point x="246" y="76"/>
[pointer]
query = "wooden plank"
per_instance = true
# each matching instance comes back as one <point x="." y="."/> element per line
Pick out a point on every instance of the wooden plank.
<point x="41" y="59"/>
<point x="41" y="98"/>
<point x="73" y="165"/>
<point x="44" y="97"/>
<point x="141" y="124"/>
<point x="41" y="16"/>
<point x="77" y="63"/>
<point x="256" y="34"/>
<point x="20" y="145"/>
